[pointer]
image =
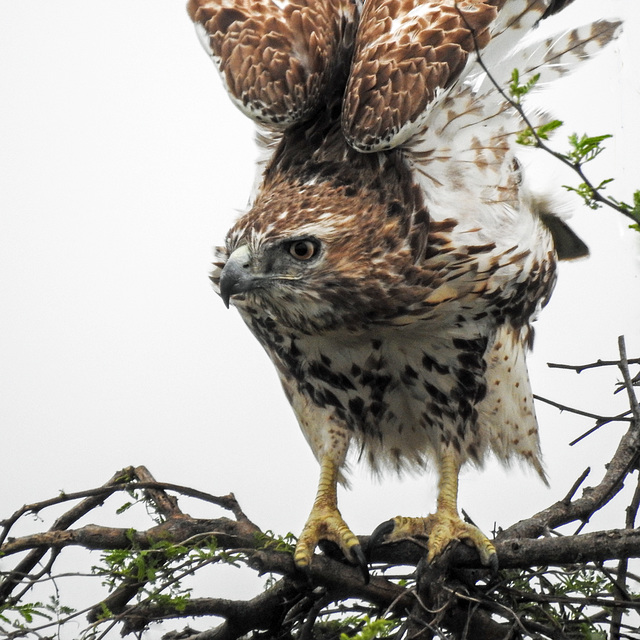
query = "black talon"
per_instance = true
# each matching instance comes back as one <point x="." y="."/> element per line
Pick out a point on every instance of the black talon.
<point x="355" y="556"/>
<point x="379" y="534"/>
<point x="493" y="564"/>
<point x="361" y="562"/>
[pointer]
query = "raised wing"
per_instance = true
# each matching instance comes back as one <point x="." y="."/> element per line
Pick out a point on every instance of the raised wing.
<point x="406" y="52"/>
<point x="276" y="57"/>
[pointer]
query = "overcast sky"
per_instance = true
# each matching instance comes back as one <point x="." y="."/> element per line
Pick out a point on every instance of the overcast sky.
<point x="122" y="163"/>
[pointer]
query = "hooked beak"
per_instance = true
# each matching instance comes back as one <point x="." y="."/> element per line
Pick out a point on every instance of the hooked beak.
<point x="236" y="276"/>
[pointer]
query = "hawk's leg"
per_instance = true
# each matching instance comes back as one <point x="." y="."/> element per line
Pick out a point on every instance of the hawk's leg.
<point x="443" y="526"/>
<point x="326" y="523"/>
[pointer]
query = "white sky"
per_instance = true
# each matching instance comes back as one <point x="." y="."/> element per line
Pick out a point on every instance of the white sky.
<point x="122" y="163"/>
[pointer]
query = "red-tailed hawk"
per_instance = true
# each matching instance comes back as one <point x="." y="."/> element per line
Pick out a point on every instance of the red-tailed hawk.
<point x="392" y="259"/>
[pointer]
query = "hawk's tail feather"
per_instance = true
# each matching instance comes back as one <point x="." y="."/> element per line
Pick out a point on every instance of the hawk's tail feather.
<point x="507" y="412"/>
<point x="515" y="20"/>
<point x="554" y="56"/>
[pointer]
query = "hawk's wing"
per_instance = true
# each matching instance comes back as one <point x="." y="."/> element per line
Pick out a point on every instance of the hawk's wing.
<point x="417" y="82"/>
<point x="411" y="55"/>
<point x="414" y="79"/>
<point x="406" y="52"/>
<point x="276" y="57"/>
<point x="280" y="59"/>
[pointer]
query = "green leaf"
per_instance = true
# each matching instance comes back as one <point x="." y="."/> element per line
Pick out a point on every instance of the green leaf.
<point x="518" y="90"/>
<point x="544" y="130"/>
<point x="124" y="507"/>
<point x="31" y="609"/>
<point x="526" y="138"/>
<point x="530" y="138"/>
<point x="585" y="148"/>
<point x="588" y="193"/>
<point x="105" y="612"/>
<point x="269" y="540"/>
<point x="589" y="633"/>
<point x="632" y="210"/>
<point x="370" y="629"/>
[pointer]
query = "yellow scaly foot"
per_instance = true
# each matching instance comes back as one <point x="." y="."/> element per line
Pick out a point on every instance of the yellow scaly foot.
<point x="442" y="527"/>
<point x="325" y="523"/>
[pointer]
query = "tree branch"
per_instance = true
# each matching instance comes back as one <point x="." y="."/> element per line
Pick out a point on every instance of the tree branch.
<point x="154" y="562"/>
<point x="266" y="611"/>
<point x="65" y="521"/>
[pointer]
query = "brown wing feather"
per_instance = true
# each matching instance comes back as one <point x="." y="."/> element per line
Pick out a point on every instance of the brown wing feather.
<point x="405" y="51"/>
<point x="276" y="58"/>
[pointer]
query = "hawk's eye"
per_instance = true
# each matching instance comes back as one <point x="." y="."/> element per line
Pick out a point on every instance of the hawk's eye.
<point x="303" y="249"/>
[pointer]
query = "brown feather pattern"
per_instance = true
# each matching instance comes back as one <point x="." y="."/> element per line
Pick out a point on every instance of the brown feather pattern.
<point x="397" y="70"/>
<point x="392" y="260"/>
<point x="276" y="59"/>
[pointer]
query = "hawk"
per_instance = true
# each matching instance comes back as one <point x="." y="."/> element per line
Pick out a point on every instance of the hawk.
<point x="392" y="259"/>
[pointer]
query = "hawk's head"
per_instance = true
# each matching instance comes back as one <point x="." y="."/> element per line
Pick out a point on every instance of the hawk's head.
<point x="314" y="254"/>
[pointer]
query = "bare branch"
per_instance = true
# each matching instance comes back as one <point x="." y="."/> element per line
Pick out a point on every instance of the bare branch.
<point x="579" y="368"/>
<point x="623" y="462"/>
<point x="624" y="368"/>
<point x="576" y="485"/>
<point x="601" y="420"/>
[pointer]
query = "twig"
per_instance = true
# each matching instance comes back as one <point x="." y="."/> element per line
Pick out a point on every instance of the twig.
<point x="59" y="622"/>
<point x="528" y="596"/>
<point x="165" y="505"/>
<point x="94" y="496"/>
<point x="241" y="616"/>
<point x="579" y="368"/>
<point x="118" y="483"/>
<point x="306" y="633"/>
<point x="576" y="485"/>
<point x="619" y="585"/>
<point x="588" y="432"/>
<point x="624" y="368"/>
<point x="602" y="420"/>
<point x="229" y="533"/>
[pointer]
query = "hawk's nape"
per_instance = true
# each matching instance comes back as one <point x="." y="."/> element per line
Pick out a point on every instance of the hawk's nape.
<point x="393" y="259"/>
